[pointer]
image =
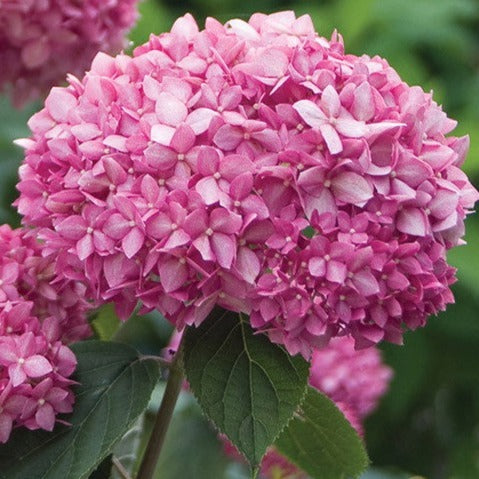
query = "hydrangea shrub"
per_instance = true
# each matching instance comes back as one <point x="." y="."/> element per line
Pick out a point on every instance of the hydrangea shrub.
<point x="267" y="192"/>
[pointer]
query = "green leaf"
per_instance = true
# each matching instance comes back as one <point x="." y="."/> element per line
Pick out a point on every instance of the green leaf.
<point x="248" y="386"/>
<point x="103" y="471"/>
<point x="114" y="389"/>
<point x="322" y="442"/>
<point x="106" y="322"/>
<point x="191" y="436"/>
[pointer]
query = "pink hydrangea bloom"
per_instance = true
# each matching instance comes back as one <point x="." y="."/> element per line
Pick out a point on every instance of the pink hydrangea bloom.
<point x="256" y="166"/>
<point x="39" y="313"/>
<point x="42" y="40"/>
<point x="354" y="380"/>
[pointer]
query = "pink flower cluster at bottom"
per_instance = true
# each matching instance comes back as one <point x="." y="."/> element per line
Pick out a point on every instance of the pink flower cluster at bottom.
<point x="38" y="314"/>
<point x="354" y="380"/>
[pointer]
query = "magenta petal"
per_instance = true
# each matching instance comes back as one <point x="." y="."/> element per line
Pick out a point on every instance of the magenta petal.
<point x="60" y="103"/>
<point x="317" y="266"/>
<point x="209" y="190"/>
<point x="170" y="110"/>
<point x="72" y="227"/>
<point x="310" y="113"/>
<point x="412" y="221"/>
<point x="365" y="283"/>
<point x="351" y="128"/>
<point x="6" y="424"/>
<point x="36" y="366"/>
<point x="248" y="264"/>
<point x="132" y="242"/>
<point x="352" y="188"/>
<point x="363" y="106"/>
<point x="202" y="244"/>
<point x="177" y="238"/>
<point x="85" y="247"/>
<point x="199" y="120"/>
<point x="224" y="248"/>
<point x="228" y="137"/>
<point x="183" y="139"/>
<point x="173" y="275"/>
<point x="225" y="221"/>
<point x="116" y="226"/>
<point x="17" y="374"/>
<point x="45" y="417"/>
<point x="331" y="138"/>
<point x="335" y="271"/>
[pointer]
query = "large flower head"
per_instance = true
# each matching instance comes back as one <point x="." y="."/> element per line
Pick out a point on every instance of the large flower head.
<point x="42" y="40"/>
<point x="39" y="314"/>
<point x="258" y="167"/>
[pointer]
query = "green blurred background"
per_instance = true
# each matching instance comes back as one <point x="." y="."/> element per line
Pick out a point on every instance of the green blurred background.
<point x="428" y="424"/>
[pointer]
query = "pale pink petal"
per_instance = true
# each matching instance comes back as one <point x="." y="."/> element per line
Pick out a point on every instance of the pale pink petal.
<point x="248" y="264"/>
<point x="45" y="417"/>
<point x="173" y="274"/>
<point x="60" y="103"/>
<point x="352" y="188"/>
<point x="132" y="242"/>
<point x="412" y="221"/>
<point x="37" y="366"/>
<point x="331" y="138"/>
<point x="224" y="248"/>
<point x="170" y="110"/>
<point x="199" y="120"/>
<point x="310" y="113"/>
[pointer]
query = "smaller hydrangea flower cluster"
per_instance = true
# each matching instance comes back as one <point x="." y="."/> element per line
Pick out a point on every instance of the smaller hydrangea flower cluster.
<point x="42" y="40"/>
<point x="39" y="313"/>
<point x="354" y="380"/>
<point x="256" y="166"/>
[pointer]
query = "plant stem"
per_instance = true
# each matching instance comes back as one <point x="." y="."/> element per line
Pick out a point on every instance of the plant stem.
<point x="120" y="468"/>
<point x="163" y="418"/>
<point x="164" y="363"/>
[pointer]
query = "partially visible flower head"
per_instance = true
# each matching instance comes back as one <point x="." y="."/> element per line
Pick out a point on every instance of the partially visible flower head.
<point x="258" y="167"/>
<point x="43" y="40"/>
<point x="354" y="380"/>
<point x="26" y="276"/>
<point x="39" y="313"/>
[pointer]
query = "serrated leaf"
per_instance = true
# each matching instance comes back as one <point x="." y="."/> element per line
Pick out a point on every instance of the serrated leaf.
<point x="114" y="389"/>
<point x="321" y="442"/>
<point x="246" y="385"/>
<point x="191" y="436"/>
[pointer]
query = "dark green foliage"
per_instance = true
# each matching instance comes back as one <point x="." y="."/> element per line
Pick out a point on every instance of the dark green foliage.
<point x="114" y="388"/>
<point x="246" y="385"/>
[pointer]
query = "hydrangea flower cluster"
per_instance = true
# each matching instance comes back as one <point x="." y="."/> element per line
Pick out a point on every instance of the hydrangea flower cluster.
<point x="258" y="167"/>
<point x="39" y="313"/>
<point x="354" y="379"/>
<point x="42" y="40"/>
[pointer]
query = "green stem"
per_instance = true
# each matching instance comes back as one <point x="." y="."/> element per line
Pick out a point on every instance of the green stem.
<point x="163" y="418"/>
<point x="120" y="468"/>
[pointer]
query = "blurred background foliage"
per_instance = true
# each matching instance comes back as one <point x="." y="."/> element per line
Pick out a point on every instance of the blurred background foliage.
<point x="428" y="424"/>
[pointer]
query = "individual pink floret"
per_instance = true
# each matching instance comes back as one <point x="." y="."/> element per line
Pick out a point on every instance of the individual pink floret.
<point x="41" y="41"/>
<point x="258" y="167"/>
